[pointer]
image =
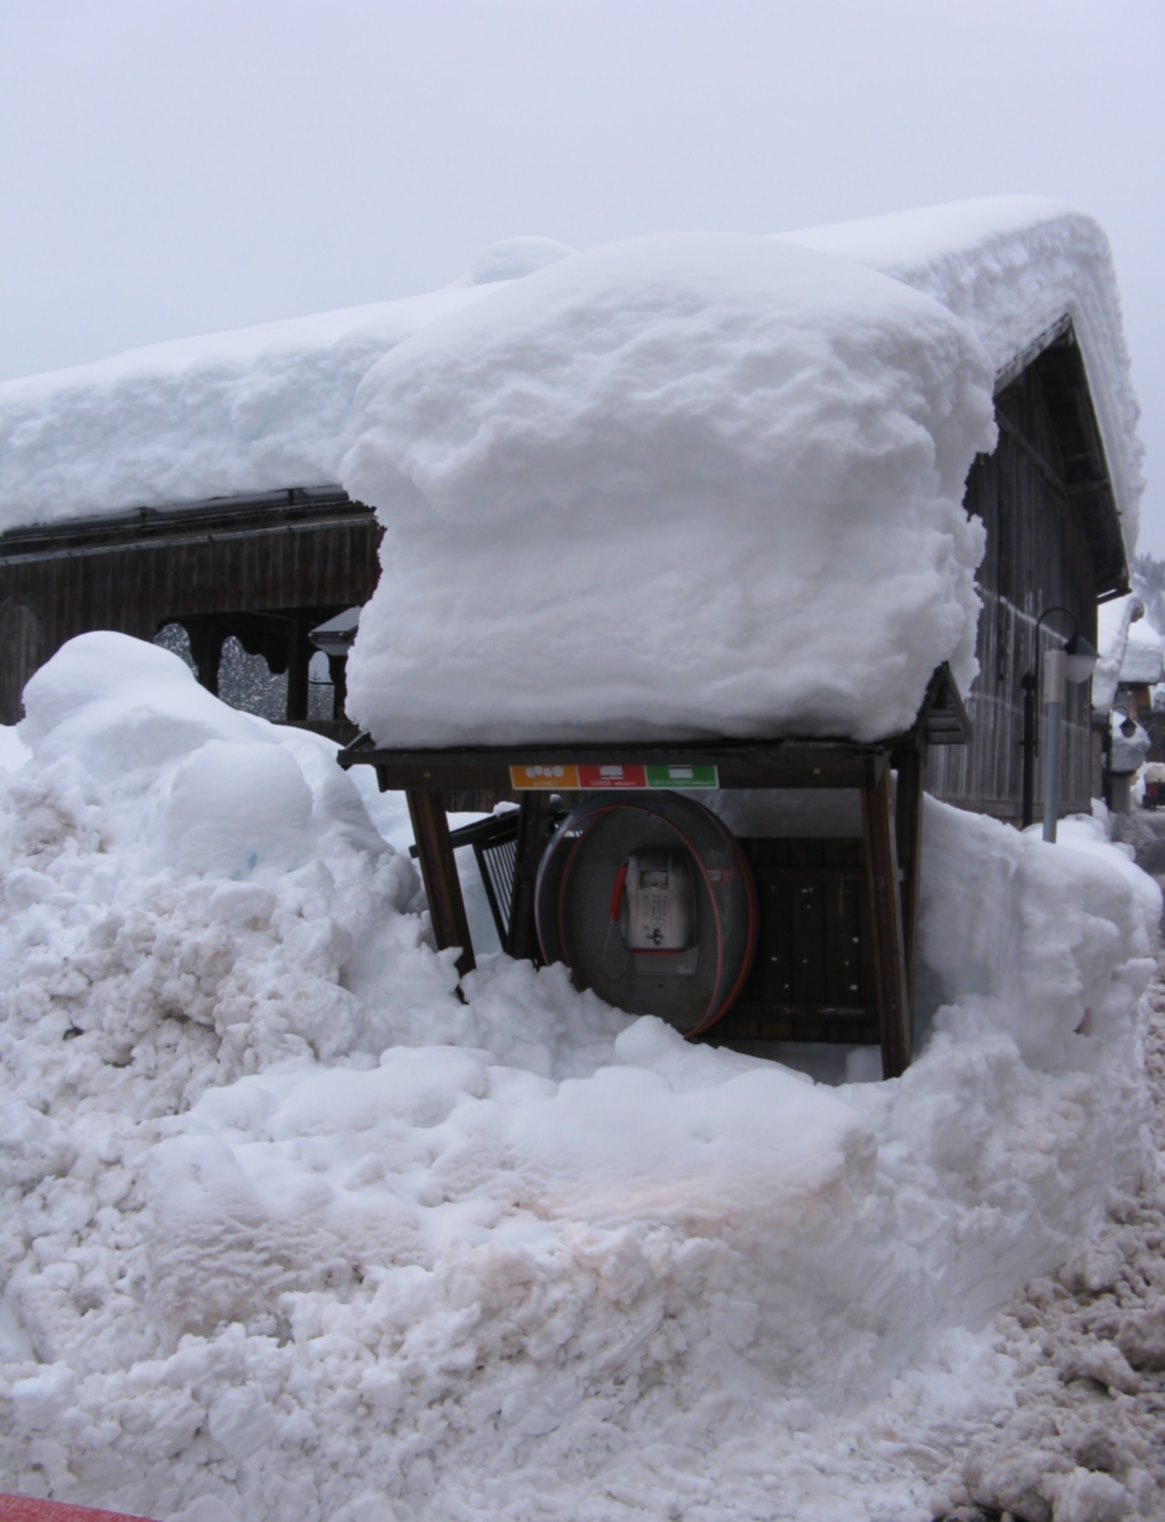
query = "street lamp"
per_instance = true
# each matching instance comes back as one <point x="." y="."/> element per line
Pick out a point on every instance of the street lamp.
<point x="1074" y="662"/>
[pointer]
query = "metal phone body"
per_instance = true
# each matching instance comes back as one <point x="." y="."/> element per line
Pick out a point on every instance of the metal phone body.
<point x="658" y="911"/>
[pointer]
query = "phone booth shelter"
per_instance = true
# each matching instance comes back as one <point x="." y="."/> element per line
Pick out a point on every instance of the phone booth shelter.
<point x="833" y="927"/>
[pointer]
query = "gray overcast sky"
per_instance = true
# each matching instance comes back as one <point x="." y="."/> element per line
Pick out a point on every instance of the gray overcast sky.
<point x="171" y="167"/>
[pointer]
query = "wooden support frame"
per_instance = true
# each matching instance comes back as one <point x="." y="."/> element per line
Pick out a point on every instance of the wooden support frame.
<point x="909" y="763"/>
<point x="439" y="871"/>
<point x="885" y="894"/>
<point x="891" y="826"/>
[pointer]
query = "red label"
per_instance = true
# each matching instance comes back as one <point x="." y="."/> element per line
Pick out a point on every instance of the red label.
<point x="612" y="777"/>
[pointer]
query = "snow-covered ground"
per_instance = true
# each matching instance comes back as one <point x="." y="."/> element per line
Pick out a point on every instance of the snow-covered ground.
<point x="287" y="1229"/>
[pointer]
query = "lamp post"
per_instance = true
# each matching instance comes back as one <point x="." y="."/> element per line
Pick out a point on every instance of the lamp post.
<point x="1072" y="662"/>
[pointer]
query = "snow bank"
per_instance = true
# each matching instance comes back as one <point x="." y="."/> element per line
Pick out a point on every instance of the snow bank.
<point x="288" y="1229"/>
<point x="676" y="486"/>
<point x="1011" y="267"/>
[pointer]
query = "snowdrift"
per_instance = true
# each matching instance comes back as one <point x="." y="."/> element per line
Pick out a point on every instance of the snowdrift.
<point x="287" y="1229"/>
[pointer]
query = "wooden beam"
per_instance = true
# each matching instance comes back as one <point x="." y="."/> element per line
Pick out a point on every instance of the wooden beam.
<point x="910" y="764"/>
<point x="886" y="922"/>
<point x="299" y="654"/>
<point x="751" y="764"/>
<point x="439" y="871"/>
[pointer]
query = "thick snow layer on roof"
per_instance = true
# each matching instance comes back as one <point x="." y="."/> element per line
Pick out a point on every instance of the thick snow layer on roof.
<point x="1116" y="621"/>
<point x="681" y="485"/>
<point x="1011" y="267"/>
<point x="1142" y="665"/>
<point x="254" y="410"/>
<point x="289" y="1230"/>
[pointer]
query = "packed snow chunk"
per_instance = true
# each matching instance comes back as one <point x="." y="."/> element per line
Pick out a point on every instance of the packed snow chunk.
<point x="1057" y="941"/>
<point x="123" y="708"/>
<point x="234" y="805"/>
<point x="687" y="485"/>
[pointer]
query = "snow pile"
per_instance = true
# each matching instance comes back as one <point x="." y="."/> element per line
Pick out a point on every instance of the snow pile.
<point x="690" y="485"/>
<point x="287" y="1229"/>
<point x="1011" y="267"/>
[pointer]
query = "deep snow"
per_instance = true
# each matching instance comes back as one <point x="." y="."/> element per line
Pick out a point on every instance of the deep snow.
<point x="287" y="1229"/>
<point x="685" y="485"/>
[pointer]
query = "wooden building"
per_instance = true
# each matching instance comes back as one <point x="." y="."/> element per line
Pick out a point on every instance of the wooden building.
<point x="263" y="570"/>
<point x="1053" y="541"/>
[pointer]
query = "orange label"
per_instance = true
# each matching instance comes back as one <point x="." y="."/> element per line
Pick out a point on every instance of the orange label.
<point x="554" y="779"/>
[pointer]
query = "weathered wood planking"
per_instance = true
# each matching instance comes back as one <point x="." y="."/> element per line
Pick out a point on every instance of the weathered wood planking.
<point x="266" y="569"/>
<point x="1049" y="543"/>
<point x="815" y="977"/>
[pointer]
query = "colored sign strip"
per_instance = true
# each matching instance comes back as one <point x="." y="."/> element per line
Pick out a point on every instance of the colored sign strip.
<point x="600" y="777"/>
<point x="682" y="778"/>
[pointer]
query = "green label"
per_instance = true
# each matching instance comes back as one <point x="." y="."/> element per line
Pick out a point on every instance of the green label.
<point x="681" y="777"/>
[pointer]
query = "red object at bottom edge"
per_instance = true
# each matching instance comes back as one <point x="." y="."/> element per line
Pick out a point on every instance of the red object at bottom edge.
<point x="30" y="1509"/>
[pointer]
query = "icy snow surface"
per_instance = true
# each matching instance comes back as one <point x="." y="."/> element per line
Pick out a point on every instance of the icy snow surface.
<point x="287" y="1230"/>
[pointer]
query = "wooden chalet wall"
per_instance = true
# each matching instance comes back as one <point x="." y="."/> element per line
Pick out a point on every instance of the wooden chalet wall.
<point x="264" y="569"/>
<point x="1052" y="540"/>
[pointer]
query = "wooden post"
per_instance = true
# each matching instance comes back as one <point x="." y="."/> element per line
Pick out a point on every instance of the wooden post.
<point x="207" y="638"/>
<point x="886" y="921"/>
<point x="910" y="764"/>
<point x="439" y="871"/>
<point x="299" y="653"/>
<point x="532" y="822"/>
<point x="338" y="674"/>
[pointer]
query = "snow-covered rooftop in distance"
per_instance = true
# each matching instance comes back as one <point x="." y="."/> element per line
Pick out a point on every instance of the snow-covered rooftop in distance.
<point x="1115" y="623"/>
<point x="1142" y="665"/>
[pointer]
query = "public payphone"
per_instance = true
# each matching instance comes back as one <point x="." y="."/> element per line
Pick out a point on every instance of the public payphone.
<point x="650" y="902"/>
